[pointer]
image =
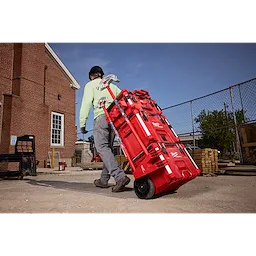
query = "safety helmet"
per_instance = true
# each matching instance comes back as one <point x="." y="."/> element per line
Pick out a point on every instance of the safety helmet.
<point x="96" y="69"/>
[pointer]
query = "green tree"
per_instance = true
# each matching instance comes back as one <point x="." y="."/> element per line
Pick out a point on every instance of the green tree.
<point x="218" y="130"/>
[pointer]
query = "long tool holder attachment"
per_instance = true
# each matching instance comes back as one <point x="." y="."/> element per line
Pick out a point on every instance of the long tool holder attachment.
<point x="105" y="83"/>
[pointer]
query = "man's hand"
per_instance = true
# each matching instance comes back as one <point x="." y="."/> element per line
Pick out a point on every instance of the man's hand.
<point x="83" y="131"/>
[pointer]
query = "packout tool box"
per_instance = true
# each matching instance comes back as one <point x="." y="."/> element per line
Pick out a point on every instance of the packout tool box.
<point x="159" y="161"/>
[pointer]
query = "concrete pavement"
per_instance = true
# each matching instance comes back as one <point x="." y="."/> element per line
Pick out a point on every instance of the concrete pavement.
<point x="72" y="191"/>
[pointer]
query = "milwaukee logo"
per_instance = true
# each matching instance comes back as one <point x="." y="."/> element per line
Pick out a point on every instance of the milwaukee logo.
<point x="175" y="154"/>
<point x="157" y="125"/>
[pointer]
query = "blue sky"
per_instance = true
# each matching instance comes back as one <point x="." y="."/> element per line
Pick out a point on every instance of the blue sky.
<point x="171" y="72"/>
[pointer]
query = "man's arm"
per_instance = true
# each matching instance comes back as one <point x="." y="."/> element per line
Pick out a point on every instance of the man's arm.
<point x="86" y="105"/>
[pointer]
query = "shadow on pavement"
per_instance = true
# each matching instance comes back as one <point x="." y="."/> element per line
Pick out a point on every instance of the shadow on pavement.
<point x="128" y="192"/>
<point x="83" y="187"/>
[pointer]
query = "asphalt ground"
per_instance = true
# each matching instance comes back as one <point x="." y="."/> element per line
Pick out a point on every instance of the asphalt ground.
<point x="74" y="192"/>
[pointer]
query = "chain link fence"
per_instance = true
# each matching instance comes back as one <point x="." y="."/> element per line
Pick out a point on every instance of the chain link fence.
<point x="223" y="120"/>
<point x="219" y="120"/>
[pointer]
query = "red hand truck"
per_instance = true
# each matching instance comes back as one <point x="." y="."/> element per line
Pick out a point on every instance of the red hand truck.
<point x="159" y="161"/>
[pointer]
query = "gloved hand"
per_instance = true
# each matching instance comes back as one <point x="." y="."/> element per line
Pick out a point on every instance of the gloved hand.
<point x="83" y="131"/>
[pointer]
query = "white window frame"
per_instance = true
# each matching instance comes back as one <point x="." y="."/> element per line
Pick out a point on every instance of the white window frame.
<point x="61" y="144"/>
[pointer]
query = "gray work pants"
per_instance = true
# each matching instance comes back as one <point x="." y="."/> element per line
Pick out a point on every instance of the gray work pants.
<point x="104" y="139"/>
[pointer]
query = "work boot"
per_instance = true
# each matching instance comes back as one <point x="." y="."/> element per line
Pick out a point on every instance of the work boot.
<point x="98" y="183"/>
<point x="121" y="184"/>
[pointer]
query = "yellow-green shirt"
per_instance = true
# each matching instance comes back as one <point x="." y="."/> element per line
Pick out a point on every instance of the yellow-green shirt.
<point x="91" y="96"/>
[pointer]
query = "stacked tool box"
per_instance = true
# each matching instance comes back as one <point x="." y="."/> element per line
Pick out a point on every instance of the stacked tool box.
<point x="160" y="163"/>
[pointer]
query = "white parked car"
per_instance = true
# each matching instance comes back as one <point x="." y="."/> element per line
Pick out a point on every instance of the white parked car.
<point x="191" y="147"/>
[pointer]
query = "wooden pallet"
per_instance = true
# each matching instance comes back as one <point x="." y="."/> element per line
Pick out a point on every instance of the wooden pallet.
<point x="206" y="159"/>
<point x="247" y="170"/>
<point x="91" y="166"/>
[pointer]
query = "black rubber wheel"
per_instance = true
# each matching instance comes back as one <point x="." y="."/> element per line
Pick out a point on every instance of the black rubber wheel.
<point x="144" y="188"/>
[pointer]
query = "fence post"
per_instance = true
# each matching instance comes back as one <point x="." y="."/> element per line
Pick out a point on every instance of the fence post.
<point x="241" y="100"/>
<point x="193" y="125"/>
<point x="238" y="145"/>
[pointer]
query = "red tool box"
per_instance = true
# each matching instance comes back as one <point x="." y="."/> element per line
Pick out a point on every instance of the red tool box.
<point x="159" y="161"/>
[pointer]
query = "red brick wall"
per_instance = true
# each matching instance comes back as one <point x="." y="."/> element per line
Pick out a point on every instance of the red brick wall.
<point x="58" y="83"/>
<point x="31" y="111"/>
<point x="6" y="58"/>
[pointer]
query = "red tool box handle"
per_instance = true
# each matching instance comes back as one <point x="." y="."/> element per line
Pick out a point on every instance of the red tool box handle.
<point x="141" y="93"/>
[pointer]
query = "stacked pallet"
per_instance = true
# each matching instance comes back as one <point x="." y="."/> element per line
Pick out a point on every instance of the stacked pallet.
<point x="121" y="160"/>
<point x="206" y="159"/>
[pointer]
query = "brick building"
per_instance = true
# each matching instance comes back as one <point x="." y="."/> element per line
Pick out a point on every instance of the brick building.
<point x="37" y="96"/>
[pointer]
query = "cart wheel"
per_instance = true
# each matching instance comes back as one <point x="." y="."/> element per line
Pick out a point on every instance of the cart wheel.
<point x="144" y="188"/>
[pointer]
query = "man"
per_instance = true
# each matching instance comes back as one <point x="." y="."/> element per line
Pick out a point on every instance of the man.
<point x="103" y="133"/>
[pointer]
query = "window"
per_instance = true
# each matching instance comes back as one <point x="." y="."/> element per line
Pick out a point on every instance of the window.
<point x="57" y="129"/>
